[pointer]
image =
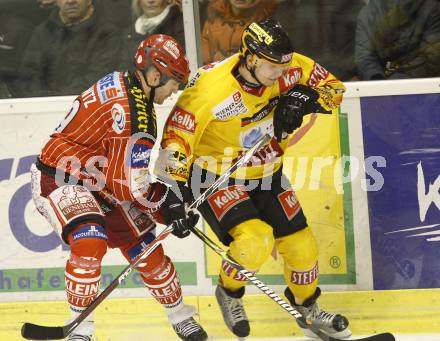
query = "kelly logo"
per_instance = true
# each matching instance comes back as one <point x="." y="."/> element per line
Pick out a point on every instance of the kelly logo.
<point x="183" y="120"/>
<point x="224" y="199"/>
<point x="289" y="203"/>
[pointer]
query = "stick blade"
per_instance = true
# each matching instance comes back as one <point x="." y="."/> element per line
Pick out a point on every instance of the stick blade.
<point x="380" y="337"/>
<point x="377" y="337"/>
<point x="32" y="331"/>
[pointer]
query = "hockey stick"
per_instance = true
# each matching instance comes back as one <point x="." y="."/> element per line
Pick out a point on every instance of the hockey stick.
<point x="271" y="294"/>
<point x="32" y="331"/>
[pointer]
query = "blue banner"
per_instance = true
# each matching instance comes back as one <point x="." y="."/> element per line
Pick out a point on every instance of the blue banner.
<point x="405" y="212"/>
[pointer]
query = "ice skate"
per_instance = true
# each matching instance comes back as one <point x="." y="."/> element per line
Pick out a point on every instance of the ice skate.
<point x="185" y="326"/>
<point x="334" y="325"/>
<point x="232" y="309"/>
<point x="84" y="332"/>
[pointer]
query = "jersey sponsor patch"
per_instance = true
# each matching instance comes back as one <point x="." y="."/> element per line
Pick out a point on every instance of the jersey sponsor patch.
<point x="290" y="204"/>
<point x="262" y="113"/>
<point x="231" y="106"/>
<point x="319" y="73"/>
<point x="73" y="201"/>
<point x="182" y="120"/>
<point x="226" y="198"/>
<point x="331" y="93"/>
<point x="109" y="87"/>
<point x="249" y="137"/>
<point x="140" y="154"/>
<point x="118" y="115"/>
<point x="266" y="154"/>
<point x="167" y="289"/>
<point x="289" y="79"/>
<point x="304" y="277"/>
<point x="143" y="117"/>
<point x="90" y="231"/>
<point x="228" y="268"/>
<point x="81" y="291"/>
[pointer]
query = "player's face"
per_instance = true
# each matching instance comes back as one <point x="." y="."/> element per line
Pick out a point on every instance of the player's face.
<point x="165" y="91"/>
<point x="74" y="10"/>
<point x="269" y="73"/>
<point x="151" y="8"/>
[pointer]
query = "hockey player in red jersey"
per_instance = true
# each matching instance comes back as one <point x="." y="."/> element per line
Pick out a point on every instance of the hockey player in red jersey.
<point x="91" y="183"/>
<point x="225" y="109"/>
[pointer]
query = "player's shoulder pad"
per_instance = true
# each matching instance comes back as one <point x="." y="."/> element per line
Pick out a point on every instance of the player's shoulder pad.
<point x="209" y="75"/>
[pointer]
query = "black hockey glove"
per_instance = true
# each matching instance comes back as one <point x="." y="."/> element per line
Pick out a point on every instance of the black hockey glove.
<point x="291" y="108"/>
<point x="175" y="213"/>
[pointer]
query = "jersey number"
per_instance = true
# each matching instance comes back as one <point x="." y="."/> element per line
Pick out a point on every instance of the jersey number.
<point x="69" y="117"/>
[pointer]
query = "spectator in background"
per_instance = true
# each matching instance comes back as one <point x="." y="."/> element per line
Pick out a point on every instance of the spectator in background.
<point x="116" y="11"/>
<point x="69" y="51"/>
<point x="226" y="21"/>
<point x="323" y="30"/>
<point x="398" y="39"/>
<point x="14" y="34"/>
<point x="151" y="17"/>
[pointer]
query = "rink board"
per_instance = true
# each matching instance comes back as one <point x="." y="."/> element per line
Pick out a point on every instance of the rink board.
<point x="339" y="211"/>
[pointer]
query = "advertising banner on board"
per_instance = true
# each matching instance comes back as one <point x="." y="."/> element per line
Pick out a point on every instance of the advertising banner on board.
<point x="402" y="134"/>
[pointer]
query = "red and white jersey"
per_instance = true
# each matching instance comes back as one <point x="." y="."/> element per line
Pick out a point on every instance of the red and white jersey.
<point x="107" y="137"/>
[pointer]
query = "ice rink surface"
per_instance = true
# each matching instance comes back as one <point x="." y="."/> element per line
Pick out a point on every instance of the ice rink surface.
<point x="399" y="337"/>
<point x="405" y="314"/>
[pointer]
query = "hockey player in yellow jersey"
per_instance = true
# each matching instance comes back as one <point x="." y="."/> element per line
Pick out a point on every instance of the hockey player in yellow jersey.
<point x="225" y="109"/>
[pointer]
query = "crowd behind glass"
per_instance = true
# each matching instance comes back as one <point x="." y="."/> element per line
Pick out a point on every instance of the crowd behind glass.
<point x="60" y="47"/>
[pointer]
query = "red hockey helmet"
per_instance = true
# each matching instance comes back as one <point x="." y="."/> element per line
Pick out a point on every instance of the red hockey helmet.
<point x="166" y="54"/>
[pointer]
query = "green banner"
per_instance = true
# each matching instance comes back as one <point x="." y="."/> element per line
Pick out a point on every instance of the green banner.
<point x="52" y="279"/>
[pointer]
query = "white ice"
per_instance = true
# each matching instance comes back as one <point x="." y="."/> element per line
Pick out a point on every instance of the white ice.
<point x="399" y="337"/>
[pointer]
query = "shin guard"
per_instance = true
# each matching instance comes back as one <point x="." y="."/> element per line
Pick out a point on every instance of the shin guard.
<point x="300" y="253"/>
<point x="88" y="245"/>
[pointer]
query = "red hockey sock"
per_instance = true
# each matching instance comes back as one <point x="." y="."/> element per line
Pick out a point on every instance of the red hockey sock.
<point x="88" y="245"/>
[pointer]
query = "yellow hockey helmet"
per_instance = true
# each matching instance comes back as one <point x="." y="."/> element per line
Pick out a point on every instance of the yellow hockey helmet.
<point x="267" y="40"/>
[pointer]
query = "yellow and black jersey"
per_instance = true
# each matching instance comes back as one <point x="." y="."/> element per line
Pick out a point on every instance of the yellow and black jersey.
<point x="217" y="117"/>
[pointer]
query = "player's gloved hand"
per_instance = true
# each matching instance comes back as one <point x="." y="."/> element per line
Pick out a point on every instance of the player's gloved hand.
<point x="175" y="213"/>
<point x="291" y="108"/>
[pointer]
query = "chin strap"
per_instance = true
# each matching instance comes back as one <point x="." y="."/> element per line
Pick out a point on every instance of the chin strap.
<point x="150" y="102"/>
<point x="252" y="72"/>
